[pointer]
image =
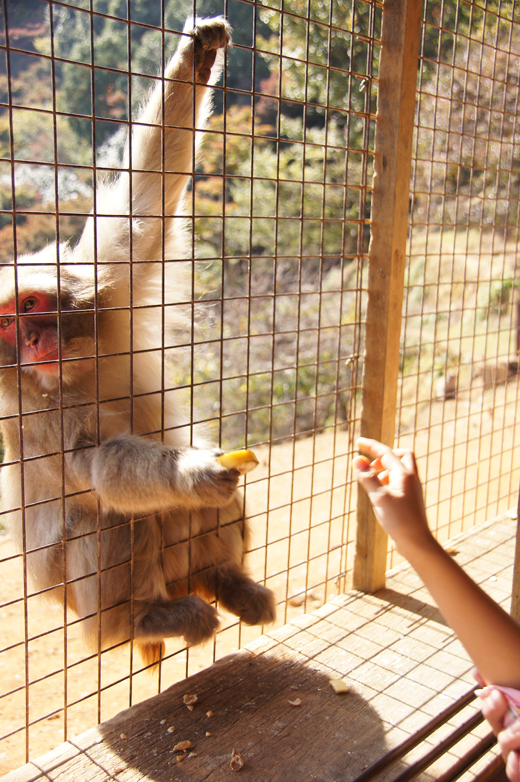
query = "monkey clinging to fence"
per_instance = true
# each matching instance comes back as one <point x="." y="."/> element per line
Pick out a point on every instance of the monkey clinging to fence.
<point x="118" y="514"/>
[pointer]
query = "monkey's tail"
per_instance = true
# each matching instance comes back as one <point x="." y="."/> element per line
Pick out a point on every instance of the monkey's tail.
<point x="152" y="654"/>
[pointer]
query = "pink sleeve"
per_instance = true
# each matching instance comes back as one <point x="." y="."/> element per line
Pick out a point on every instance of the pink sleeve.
<point x="513" y="699"/>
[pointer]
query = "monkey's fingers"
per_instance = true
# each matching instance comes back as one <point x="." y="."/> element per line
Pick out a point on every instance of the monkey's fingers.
<point x="213" y="33"/>
<point x="210" y="35"/>
<point x="205" y="69"/>
<point x="243" y="460"/>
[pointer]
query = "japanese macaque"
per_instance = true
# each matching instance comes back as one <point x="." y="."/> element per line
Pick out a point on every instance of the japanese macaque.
<point x="119" y="514"/>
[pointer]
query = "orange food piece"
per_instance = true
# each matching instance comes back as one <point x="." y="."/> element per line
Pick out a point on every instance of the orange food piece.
<point x="243" y="460"/>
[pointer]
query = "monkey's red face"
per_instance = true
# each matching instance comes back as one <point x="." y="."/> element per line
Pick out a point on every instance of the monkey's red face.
<point x="37" y="330"/>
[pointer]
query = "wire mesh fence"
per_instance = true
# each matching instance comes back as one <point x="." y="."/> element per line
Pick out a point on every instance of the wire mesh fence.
<point x="459" y="361"/>
<point x="277" y="216"/>
<point x="273" y="300"/>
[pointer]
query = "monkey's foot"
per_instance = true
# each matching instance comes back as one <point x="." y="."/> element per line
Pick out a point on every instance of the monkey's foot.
<point x="260" y="609"/>
<point x="252" y="602"/>
<point x="188" y="616"/>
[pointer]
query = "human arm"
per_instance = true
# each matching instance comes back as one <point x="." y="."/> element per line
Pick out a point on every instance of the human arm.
<point x="489" y="634"/>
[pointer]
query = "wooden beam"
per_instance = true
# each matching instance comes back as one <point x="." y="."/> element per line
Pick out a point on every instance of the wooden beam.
<point x="400" y="38"/>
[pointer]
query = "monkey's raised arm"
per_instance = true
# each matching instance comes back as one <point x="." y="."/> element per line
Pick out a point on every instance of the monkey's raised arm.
<point x="160" y="153"/>
<point x="179" y="106"/>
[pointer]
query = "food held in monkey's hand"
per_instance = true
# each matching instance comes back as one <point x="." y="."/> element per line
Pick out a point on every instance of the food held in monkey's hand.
<point x="243" y="460"/>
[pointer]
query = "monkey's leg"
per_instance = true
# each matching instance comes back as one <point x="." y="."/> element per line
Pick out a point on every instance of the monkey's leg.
<point x="239" y="594"/>
<point x="188" y="616"/>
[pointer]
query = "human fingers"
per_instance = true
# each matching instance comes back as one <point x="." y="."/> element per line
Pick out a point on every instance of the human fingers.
<point x="361" y="462"/>
<point x="408" y="465"/>
<point x="513" y="767"/>
<point x="402" y="453"/>
<point x="363" y="467"/>
<point x="408" y="459"/>
<point x="494" y="708"/>
<point x="509" y="738"/>
<point x="365" y="474"/>
<point x="382" y="456"/>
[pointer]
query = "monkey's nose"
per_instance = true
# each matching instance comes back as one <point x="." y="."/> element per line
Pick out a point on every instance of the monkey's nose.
<point x="31" y="339"/>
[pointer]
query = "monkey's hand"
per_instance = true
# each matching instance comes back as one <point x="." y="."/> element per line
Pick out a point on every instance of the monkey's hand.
<point x="198" y="55"/>
<point x="162" y="138"/>
<point x="209" y="35"/>
<point x="132" y="474"/>
<point x="200" y="475"/>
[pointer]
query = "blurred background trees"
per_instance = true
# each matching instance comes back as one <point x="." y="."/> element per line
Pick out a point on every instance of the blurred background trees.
<point x="281" y="197"/>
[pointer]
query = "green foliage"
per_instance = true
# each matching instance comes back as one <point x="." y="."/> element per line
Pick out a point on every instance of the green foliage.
<point x="297" y="200"/>
<point x="114" y="49"/>
<point x="306" y="51"/>
<point x="280" y="197"/>
<point x="284" y="359"/>
<point x="467" y="171"/>
<point x="500" y="292"/>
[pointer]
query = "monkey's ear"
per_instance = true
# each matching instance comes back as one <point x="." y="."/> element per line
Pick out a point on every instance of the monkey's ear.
<point x="84" y="285"/>
<point x="7" y="281"/>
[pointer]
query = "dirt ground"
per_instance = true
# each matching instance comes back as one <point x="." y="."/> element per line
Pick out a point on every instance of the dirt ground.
<point x="303" y="522"/>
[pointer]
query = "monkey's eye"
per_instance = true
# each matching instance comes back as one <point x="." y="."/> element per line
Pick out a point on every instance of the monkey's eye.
<point x="29" y="304"/>
<point x="6" y="322"/>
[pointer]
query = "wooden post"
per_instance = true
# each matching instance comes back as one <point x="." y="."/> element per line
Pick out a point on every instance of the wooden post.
<point x="390" y="203"/>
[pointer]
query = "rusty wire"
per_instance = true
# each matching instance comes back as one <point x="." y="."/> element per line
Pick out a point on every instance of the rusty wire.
<point x="276" y="342"/>
<point x="274" y="352"/>
<point x="459" y="362"/>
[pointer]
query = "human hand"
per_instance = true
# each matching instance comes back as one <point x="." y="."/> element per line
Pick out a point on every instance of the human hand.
<point x="495" y="709"/>
<point x="392" y="483"/>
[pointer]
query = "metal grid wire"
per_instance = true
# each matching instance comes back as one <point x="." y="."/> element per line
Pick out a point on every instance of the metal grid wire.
<point x="278" y="212"/>
<point x="458" y="396"/>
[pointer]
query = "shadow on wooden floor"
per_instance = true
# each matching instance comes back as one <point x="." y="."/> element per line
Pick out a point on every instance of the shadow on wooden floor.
<point x="249" y="699"/>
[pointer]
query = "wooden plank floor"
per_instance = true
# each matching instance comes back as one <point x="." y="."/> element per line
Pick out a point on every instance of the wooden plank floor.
<point x="402" y="664"/>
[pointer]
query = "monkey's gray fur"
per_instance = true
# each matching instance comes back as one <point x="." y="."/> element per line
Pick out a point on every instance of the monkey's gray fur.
<point x="118" y="514"/>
